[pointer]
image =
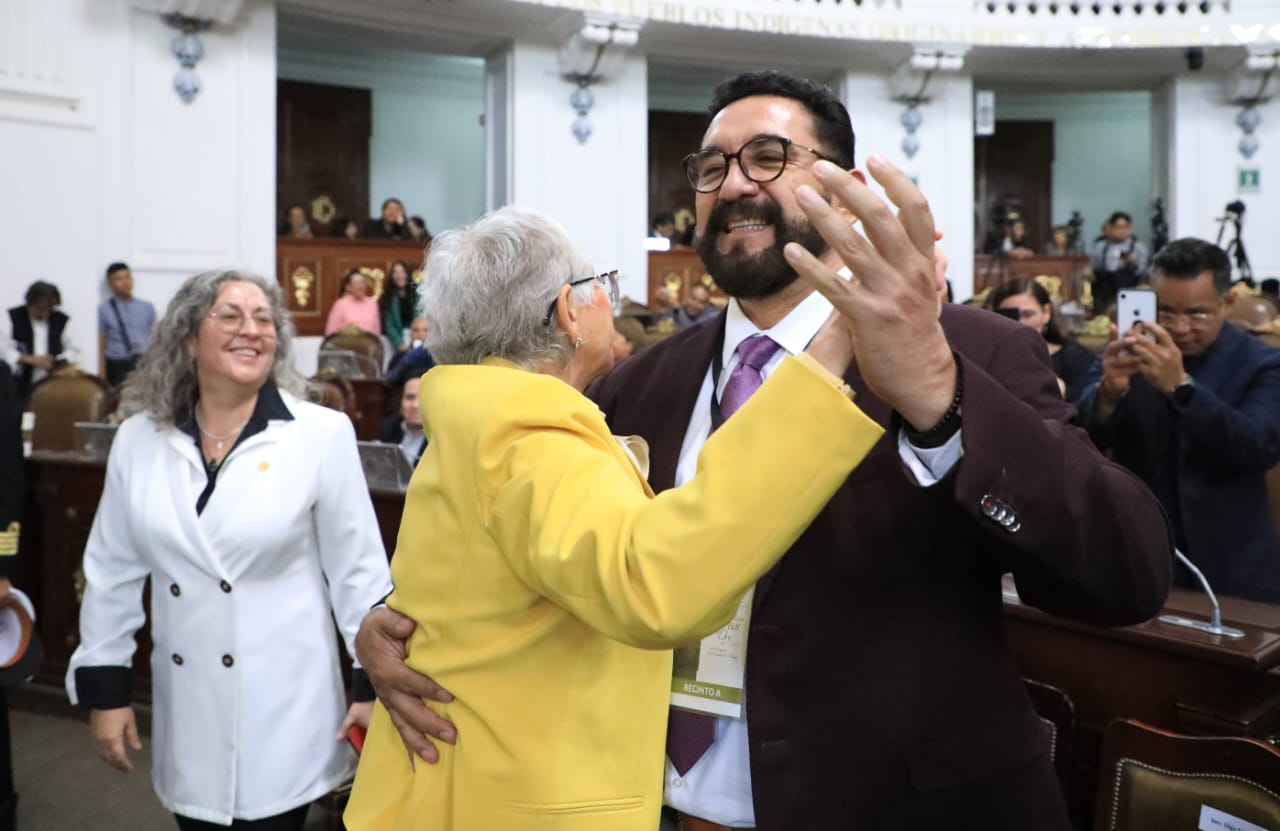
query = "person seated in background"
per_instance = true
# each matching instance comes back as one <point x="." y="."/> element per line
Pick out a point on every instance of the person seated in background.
<point x="418" y="230"/>
<point x="415" y="359"/>
<point x="1118" y="260"/>
<point x="1269" y="289"/>
<point x="556" y="555"/>
<point x="663" y="306"/>
<point x="346" y="228"/>
<point x="405" y="427"/>
<point x="124" y="326"/>
<point x="1192" y="406"/>
<point x="696" y="307"/>
<point x="396" y="305"/>
<point x="1012" y="243"/>
<point x="391" y="225"/>
<point x="628" y="338"/>
<point x="664" y="226"/>
<point x="295" y="223"/>
<point x="36" y="340"/>
<point x="1026" y="301"/>
<point x="354" y="307"/>
<point x="1059" y="244"/>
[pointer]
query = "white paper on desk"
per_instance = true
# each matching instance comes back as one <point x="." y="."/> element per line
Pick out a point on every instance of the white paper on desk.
<point x="1211" y="819"/>
<point x="709" y="676"/>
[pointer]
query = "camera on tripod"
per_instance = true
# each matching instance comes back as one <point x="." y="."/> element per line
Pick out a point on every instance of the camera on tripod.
<point x="1075" y="226"/>
<point x="1235" y="248"/>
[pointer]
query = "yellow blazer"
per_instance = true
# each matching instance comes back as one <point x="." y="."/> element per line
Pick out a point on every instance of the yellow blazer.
<point x="549" y="585"/>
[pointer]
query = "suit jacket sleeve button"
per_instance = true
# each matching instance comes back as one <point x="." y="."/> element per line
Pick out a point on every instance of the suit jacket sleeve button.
<point x="225" y="586"/>
<point x="174" y="589"/>
<point x="988" y="505"/>
<point x="177" y="659"/>
<point x="227" y="660"/>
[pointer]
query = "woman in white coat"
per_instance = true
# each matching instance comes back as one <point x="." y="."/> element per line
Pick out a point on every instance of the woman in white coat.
<point x="247" y="508"/>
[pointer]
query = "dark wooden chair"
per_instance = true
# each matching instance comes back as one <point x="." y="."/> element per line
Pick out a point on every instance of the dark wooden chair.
<point x="1155" y="779"/>
<point x="1058" y="713"/>
<point x="367" y="348"/>
<point x="63" y="398"/>
<point x="331" y="390"/>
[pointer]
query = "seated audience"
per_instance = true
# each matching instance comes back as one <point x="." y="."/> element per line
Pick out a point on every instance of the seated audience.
<point x="414" y="359"/>
<point x="663" y="306"/>
<point x="1192" y="406"/>
<point x="34" y="337"/>
<point x="354" y="307"/>
<point x="629" y="337"/>
<point x="405" y="427"/>
<point x="664" y="226"/>
<point x="418" y="230"/>
<point x="1012" y="242"/>
<point x="1270" y="289"/>
<point x="696" y="307"/>
<point x="547" y="582"/>
<point x="1059" y="244"/>
<point x="1118" y="260"/>
<point x="124" y="326"/>
<point x="295" y="223"/>
<point x="347" y="229"/>
<point x="1027" y="302"/>
<point x="396" y="305"/>
<point x="247" y="509"/>
<point x="391" y="225"/>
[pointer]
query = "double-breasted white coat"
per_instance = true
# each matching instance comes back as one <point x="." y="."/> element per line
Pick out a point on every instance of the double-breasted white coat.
<point x="247" y="693"/>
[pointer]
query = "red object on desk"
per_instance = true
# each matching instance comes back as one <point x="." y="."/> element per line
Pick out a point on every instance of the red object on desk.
<point x="355" y="736"/>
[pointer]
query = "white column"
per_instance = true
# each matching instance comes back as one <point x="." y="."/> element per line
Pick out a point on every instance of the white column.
<point x="1204" y="166"/>
<point x="597" y="190"/>
<point x="942" y="167"/>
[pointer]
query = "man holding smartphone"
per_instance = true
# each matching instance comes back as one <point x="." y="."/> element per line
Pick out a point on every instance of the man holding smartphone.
<point x="1192" y="406"/>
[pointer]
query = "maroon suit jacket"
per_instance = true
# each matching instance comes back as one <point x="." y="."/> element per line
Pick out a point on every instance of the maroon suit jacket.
<point x="880" y="692"/>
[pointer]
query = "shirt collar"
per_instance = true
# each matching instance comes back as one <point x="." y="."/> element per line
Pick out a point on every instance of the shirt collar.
<point x="269" y="407"/>
<point x="792" y="333"/>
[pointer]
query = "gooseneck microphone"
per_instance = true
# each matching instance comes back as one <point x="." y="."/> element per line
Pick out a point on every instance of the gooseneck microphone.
<point x="1214" y="625"/>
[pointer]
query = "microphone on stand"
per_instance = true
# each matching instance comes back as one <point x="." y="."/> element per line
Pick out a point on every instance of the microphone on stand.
<point x="1214" y="625"/>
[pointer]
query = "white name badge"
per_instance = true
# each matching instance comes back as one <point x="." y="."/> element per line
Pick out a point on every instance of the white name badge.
<point x="709" y="676"/>
<point x="1211" y="819"/>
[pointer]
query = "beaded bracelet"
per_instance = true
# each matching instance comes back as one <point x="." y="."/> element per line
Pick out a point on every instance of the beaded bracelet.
<point x="948" y="425"/>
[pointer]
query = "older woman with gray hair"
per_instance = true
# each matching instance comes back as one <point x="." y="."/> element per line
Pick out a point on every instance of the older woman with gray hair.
<point x="246" y="507"/>
<point x="547" y="583"/>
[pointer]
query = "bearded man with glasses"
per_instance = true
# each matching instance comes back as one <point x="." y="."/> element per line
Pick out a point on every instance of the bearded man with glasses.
<point x="878" y="690"/>
<point x="1192" y="405"/>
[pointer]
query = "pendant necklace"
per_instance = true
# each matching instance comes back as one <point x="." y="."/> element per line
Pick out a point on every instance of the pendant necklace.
<point x="218" y="441"/>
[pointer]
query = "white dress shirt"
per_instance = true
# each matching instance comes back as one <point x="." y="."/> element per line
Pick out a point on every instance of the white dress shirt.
<point x="718" y="787"/>
<point x="10" y="350"/>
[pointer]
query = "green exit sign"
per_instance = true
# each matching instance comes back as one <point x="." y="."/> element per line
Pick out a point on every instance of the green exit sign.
<point x="1248" y="180"/>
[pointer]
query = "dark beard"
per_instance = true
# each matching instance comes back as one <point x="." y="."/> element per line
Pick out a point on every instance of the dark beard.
<point x="764" y="273"/>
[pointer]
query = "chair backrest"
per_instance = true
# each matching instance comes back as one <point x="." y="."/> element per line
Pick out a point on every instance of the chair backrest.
<point x="1154" y="779"/>
<point x="1252" y="313"/>
<point x="62" y="399"/>
<point x="367" y="348"/>
<point x="329" y="389"/>
<point x="1058" y="714"/>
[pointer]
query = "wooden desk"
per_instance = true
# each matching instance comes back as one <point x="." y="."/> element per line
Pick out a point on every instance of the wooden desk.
<point x="989" y="272"/>
<point x="310" y="272"/>
<point x="1175" y="678"/>
<point x="374" y="397"/>
<point x="63" y="490"/>
<point x="678" y="270"/>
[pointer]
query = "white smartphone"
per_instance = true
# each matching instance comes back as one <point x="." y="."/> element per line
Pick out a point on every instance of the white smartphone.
<point x="1134" y="306"/>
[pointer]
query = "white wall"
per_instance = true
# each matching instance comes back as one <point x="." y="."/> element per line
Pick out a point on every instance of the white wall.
<point x="942" y="167"/>
<point x="1102" y="144"/>
<point x="427" y="146"/>
<point x="1203" y="167"/>
<point x="598" y="190"/>
<point x="106" y="163"/>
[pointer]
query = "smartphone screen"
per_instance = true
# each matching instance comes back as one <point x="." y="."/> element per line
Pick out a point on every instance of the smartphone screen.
<point x="1134" y="306"/>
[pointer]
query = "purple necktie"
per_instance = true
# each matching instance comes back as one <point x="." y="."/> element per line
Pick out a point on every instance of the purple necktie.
<point x="690" y="734"/>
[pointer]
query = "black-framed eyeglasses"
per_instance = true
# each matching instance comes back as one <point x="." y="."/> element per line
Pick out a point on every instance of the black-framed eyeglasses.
<point x="608" y="281"/>
<point x="762" y="160"/>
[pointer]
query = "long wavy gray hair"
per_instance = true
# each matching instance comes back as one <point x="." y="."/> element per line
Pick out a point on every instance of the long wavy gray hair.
<point x="165" y="382"/>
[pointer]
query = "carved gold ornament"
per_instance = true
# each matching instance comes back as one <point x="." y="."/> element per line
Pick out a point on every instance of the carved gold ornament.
<point x="302" y="279"/>
<point x="375" y="276"/>
<point x="322" y="209"/>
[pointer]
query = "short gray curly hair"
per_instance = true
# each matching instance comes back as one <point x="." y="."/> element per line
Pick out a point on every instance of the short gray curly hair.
<point x="488" y="285"/>
<point x="165" y="382"/>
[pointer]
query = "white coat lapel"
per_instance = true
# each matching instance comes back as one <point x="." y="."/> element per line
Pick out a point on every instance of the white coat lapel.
<point x="237" y="477"/>
<point x="184" y="497"/>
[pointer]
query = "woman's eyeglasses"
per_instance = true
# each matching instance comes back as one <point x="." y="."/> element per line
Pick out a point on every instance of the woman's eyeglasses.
<point x="608" y="281"/>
